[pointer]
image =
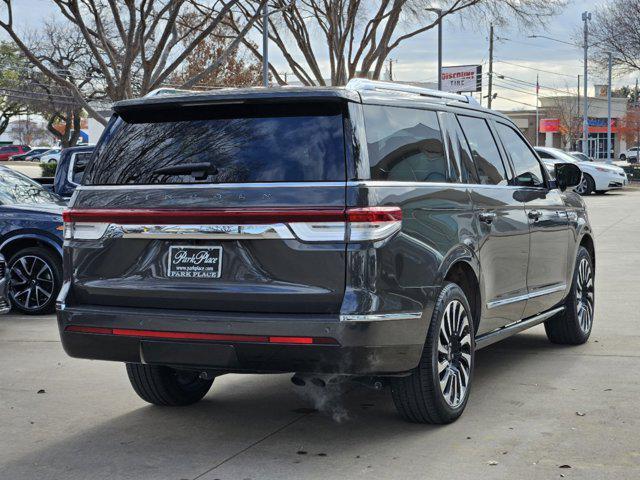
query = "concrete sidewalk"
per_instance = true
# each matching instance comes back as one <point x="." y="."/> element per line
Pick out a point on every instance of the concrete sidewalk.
<point x="537" y="410"/>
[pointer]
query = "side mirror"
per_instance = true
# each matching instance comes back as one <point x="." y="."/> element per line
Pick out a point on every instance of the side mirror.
<point x="568" y="175"/>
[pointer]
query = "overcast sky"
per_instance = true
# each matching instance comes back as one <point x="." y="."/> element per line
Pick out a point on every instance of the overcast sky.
<point x="417" y="57"/>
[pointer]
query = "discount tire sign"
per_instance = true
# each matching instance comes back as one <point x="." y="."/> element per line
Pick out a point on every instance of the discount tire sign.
<point x="462" y="78"/>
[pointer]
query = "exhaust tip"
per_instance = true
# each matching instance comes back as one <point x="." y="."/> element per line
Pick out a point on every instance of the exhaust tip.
<point x="298" y="381"/>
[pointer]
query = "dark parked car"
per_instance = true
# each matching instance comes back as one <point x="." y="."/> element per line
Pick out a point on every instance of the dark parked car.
<point x="31" y="241"/>
<point x="359" y="232"/>
<point x="11" y="150"/>
<point x="70" y="170"/>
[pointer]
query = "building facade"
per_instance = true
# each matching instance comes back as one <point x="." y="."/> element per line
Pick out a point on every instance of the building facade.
<point x="560" y="123"/>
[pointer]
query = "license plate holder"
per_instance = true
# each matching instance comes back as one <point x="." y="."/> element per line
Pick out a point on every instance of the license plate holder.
<point x="191" y="261"/>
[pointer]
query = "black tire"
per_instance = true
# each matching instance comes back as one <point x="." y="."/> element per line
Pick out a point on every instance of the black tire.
<point x="601" y="192"/>
<point x="165" y="386"/>
<point x="569" y="327"/>
<point x="587" y="186"/>
<point x="418" y="397"/>
<point x="49" y="281"/>
<point x="623" y="157"/>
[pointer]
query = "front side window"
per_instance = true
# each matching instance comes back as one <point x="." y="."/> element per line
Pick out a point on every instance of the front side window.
<point x="528" y="172"/>
<point x="484" y="150"/>
<point x="404" y="144"/>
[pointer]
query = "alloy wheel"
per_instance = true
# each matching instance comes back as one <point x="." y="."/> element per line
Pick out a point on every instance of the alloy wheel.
<point x="583" y="187"/>
<point x="454" y="354"/>
<point x="32" y="282"/>
<point x="585" y="295"/>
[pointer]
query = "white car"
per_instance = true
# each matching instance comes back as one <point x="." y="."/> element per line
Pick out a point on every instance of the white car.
<point x="596" y="176"/>
<point x="52" y="156"/>
<point x="630" y="155"/>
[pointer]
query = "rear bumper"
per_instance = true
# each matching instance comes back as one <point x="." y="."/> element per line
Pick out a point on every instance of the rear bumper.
<point x="377" y="345"/>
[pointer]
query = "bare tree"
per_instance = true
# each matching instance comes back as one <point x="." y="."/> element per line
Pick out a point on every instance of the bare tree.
<point x="358" y="35"/>
<point x="12" y="72"/>
<point x="136" y="44"/>
<point x="240" y="68"/>
<point x="61" y="48"/>
<point x="615" y="29"/>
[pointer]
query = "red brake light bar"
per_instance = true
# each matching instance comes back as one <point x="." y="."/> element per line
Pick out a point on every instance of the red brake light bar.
<point x="233" y="216"/>
<point x="216" y="337"/>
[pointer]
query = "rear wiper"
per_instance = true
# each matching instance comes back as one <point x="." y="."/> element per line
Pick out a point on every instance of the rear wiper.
<point x="199" y="171"/>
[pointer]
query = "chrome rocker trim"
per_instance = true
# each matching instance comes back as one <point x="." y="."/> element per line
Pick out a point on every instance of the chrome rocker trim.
<point x="495" y="336"/>
<point x="378" y="317"/>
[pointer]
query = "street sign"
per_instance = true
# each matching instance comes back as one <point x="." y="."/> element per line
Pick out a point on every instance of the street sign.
<point x="462" y="78"/>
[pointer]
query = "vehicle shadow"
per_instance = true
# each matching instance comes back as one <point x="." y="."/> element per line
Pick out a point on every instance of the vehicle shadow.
<point x="242" y="412"/>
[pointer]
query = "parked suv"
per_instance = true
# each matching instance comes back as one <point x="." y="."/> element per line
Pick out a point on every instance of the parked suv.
<point x="363" y="232"/>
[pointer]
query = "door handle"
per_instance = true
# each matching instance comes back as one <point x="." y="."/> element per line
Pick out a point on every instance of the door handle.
<point x="534" y="215"/>
<point x="487" y="217"/>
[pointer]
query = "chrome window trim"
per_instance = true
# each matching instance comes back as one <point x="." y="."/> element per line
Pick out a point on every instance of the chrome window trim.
<point x="520" y="298"/>
<point x="351" y="183"/>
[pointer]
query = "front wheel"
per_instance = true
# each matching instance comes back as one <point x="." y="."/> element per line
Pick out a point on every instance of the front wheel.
<point x="437" y="390"/>
<point x="165" y="386"/>
<point x="573" y="325"/>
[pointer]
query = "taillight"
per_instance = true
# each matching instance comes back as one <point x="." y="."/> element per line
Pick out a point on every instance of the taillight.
<point x="308" y="225"/>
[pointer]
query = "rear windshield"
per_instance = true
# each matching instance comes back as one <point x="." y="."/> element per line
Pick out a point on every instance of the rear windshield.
<point x="230" y="144"/>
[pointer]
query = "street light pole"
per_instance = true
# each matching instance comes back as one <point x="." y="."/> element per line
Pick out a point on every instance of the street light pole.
<point x="586" y="16"/>
<point x="609" y="159"/>
<point x="265" y="44"/>
<point x="439" y="49"/>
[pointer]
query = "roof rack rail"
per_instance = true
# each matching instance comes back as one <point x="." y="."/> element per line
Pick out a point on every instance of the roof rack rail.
<point x="168" y="91"/>
<point x="361" y="84"/>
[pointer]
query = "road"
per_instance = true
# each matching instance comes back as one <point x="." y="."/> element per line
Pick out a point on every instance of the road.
<point x="535" y="410"/>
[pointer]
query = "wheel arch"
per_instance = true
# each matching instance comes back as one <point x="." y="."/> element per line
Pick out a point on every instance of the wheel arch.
<point x="462" y="268"/>
<point x="12" y="244"/>
<point x="587" y="242"/>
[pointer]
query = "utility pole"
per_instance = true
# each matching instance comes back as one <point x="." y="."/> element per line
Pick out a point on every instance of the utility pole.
<point x="586" y="16"/>
<point x="609" y="159"/>
<point x="440" y="49"/>
<point x="391" y="69"/>
<point x="490" y="87"/>
<point x="637" y="124"/>
<point x="265" y="44"/>
<point x="577" y="114"/>
<point x="537" y="111"/>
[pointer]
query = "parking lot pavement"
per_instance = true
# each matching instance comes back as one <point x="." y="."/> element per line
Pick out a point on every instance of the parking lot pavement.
<point x="537" y="410"/>
<point x="30" y="169"/>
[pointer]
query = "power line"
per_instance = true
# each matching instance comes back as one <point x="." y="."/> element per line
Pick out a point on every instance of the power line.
<point x="536" y="69"/>
<point x="516" y="101"/>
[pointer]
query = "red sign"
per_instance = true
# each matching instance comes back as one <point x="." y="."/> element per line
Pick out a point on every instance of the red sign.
<point x="551" y="125"/>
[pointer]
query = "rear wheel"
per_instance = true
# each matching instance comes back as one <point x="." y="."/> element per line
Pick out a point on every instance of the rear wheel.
<point x="35" y="277"/>
<point x="573" y="325"/>
<point x="437" y="390"/>
<point x="587" y="186"/>
<point x="166" y="386"/>
<point x="623" y="157"/>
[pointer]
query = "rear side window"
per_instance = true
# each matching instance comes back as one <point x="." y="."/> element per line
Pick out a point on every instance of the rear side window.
<point x="484" y="150"/>
<point x="222" y="144"/>
<point x="528" y="171"/>
<point x="460" y="155"/>
<point x="404" y="145"/>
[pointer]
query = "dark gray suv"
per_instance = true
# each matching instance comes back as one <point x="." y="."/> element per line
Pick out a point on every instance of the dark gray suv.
<point x="378" y="231"/>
